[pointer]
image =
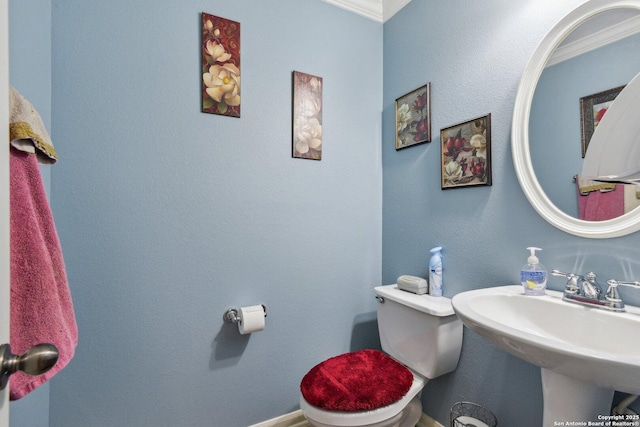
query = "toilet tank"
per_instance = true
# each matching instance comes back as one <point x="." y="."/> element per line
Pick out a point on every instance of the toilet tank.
<point x="420" y="331"/>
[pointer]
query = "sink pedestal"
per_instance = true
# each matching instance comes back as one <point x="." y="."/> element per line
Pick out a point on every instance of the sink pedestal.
<point x="568" y="399"/>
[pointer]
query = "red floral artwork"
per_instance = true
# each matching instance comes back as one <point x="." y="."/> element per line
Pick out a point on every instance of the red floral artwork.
<point x="413" y="118"/>
<point x="220" y="66"/>
<point x="466" y="153"/>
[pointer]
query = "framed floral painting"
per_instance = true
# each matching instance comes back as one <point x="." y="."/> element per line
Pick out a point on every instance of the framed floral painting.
<point x="592" y="109"/>
<point x="413" y="117"/>
<point x="220" y="66"/>
<point x="307" y="116"/>
<point x="466" y="153"/>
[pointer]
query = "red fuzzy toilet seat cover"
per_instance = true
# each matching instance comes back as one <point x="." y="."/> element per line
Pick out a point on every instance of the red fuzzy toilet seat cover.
<point x="357" y="381"/>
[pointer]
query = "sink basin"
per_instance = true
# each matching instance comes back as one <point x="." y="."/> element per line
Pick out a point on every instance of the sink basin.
<point x="580" y="349"/>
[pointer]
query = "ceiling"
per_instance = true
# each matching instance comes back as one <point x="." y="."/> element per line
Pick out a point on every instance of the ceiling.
<point x="377" y="10"/>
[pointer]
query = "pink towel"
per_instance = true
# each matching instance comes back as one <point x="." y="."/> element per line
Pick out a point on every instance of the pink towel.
<point x="600" y="205"/>
<point x="41" y="306"/>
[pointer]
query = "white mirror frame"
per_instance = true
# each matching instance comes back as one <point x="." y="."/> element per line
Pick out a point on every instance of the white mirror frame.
<point x="623" y="225"/>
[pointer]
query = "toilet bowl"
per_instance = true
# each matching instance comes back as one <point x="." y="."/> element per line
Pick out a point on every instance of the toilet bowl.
<point x="422" y="333"/>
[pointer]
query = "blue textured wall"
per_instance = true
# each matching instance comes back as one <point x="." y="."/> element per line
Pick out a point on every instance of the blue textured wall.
<point x="30" y="74"/>
<point x="474" y="53"/>
<point x="169" y="216"/>
<point x="30" y="58"/>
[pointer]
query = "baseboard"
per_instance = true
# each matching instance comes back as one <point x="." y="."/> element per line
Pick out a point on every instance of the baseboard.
<point x="426" y="421"/>
<point x="297" y="419"/>
<point x="292" y="419"/>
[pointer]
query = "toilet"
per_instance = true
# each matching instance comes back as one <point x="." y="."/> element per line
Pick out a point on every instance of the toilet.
<point x="421" y="337"/>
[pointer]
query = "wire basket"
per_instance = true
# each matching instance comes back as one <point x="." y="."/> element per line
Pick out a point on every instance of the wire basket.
<point x="468" y="414"/>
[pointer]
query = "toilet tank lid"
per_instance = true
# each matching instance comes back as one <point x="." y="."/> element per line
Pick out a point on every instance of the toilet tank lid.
<point x="436" y="306"/>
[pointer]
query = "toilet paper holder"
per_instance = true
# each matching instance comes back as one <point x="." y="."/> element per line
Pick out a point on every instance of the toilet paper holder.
<point x="231" y="315"/>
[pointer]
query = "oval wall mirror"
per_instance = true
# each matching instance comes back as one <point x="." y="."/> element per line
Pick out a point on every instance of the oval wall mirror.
<point x="555" y="196"/>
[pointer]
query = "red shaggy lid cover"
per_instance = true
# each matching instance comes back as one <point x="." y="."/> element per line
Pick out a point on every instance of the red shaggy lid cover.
<point x="357" y="381"/>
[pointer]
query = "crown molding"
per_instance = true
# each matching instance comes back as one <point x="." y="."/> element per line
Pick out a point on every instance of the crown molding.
<point x="391" y="7"/>
<point x="596" y="40"/>
<point x="377" y="10"/>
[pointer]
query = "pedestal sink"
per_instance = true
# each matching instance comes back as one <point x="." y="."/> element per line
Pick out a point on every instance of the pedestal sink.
<point x="584" y="353"/>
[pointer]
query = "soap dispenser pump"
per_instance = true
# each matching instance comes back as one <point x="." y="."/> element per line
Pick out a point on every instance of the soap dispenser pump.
<point x="533" y="275"/>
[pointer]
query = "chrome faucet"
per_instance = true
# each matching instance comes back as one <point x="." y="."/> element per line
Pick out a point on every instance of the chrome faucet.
<point x="590" y="286"/>
<point x="585" y="290"/>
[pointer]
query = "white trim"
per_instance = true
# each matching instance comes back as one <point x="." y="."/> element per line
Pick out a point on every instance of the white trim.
<point x="371" y="9"/>
<point x="377" y="10"/>
<point x="297" y="419"/>
<point x="596" y="40"/>
<point x="391" y="7"/>
<point x="292" y="419"/>
<point x="426" y="421"/>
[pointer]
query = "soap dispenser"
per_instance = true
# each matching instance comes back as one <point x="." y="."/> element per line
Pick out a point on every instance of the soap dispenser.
<point x="533" y="275"/>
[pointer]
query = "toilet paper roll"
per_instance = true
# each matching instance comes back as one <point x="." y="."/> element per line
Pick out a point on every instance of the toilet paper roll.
<point x="252" y="319"/>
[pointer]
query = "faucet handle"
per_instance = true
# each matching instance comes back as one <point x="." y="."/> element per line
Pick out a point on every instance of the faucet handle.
<point x="612" y="297"/>
<point x="561" y="274"/>
<point x="622" y="282"/>
<point x="572" y="281"/>
<point x="612" y="292"/>
<point x="572" y="287"/>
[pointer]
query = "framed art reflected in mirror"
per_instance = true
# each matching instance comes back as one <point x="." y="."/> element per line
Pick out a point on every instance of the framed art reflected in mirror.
<point x="592" y="109"/>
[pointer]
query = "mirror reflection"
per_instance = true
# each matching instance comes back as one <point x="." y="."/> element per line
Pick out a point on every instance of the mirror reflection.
<point x="593" y="61"/>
